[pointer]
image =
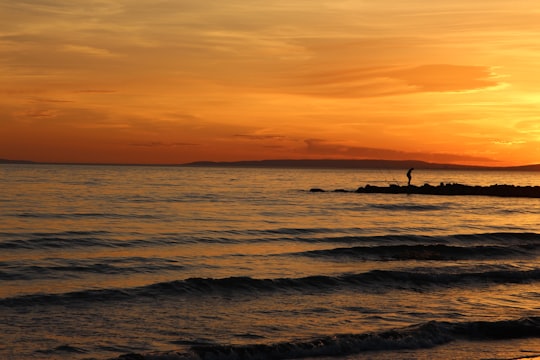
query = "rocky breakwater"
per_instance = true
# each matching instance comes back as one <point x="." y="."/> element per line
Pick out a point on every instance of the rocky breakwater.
<point x="449" y="189"/>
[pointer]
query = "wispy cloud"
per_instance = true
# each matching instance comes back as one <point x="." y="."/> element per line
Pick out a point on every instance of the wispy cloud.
<point x="260" y="136"/>
<point x="444" y="77"/>
<point x="89" y="50"/>
<point x="39" y="113"/>
<point x="95" y="91"/>
<point x="328" y="149"/>
<point x="161" y="144"/>
<point x="49" y="100"/>
<point x="383" y="81"/>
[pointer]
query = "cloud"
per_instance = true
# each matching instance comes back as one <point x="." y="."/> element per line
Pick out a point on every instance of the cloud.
<point x="443" y="77"/>
<point x="39" y="113"/>
<point x="61" y="7"/>
<point x="21" y="93"/>
<point x="89" y="50"/>
<point x="260" y="136"/>
<point x="528" y="126"/>
<point x="326" y="149"/>
<point x="184" y="117"/>
<point x="161" y="144"/>
<point x="384" y="81"/>
<point x="509" y="142"/>
<point x="94" y="91"/>
<point x="48" y="100"/>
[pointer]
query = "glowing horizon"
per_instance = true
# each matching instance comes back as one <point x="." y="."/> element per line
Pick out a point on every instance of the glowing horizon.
<point x="115" y="81"/>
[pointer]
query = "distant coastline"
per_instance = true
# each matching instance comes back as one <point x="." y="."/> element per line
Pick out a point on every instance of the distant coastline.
<point x="311" y="164"/>
<point x="6" y="161"/>
<point x="357" y="164"/>
<point x="27" y="162"/>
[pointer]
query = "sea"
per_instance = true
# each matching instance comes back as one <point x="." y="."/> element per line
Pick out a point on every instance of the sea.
<point x="172" y="262"/>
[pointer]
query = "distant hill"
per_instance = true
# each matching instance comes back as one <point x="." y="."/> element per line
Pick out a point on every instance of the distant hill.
<point x="6" y="161"/>
<point x="316" y="164"/>
<point x="355" y="164"/>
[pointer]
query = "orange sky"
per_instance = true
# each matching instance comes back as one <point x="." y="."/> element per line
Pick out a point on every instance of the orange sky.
<point x="173" y="81"/>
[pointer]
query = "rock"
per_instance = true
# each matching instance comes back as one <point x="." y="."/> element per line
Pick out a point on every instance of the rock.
<point x="456" y="189"/>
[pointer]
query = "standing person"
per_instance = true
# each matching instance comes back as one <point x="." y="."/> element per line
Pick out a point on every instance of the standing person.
<point x="409" y="176"/>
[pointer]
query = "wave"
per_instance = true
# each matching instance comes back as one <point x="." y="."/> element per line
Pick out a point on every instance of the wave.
<point x="80" y="239"/>
<point x="411" y="207"/>
<point x="39" y="240"/>
<point x="425" y="335"/>
<point x="492" y="238"/>
<point x="67" y="240"/>
<point x="74" y="216"/>
<point x="312" y="235"/>
<point x="375" y="280"/>
<point x="62" y="268"/>
<point x="424" y="252"/>
<point x="317" y="236"/>
<point x="63" y="349"/>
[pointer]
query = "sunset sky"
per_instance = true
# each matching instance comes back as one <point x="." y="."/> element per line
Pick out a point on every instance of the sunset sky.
<point x="174" y="81"/>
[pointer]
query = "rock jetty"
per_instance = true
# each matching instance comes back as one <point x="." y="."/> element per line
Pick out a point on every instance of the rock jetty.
<point x="449" y="189"/>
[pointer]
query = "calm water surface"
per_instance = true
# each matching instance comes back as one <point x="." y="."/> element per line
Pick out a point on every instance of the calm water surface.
<point x="226" y="263"/>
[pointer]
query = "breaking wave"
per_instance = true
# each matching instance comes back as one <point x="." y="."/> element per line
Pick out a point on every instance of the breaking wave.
<point x="376" y="280"/>
<point x="425" y="335"/>
<point x="424" y="252"/>
<point x="83" y="239"/>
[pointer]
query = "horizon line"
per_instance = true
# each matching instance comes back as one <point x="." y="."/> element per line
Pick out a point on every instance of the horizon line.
<point x="303" y="163"/>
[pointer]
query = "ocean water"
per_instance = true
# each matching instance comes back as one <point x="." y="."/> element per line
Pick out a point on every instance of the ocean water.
<point x="98" y="262"/>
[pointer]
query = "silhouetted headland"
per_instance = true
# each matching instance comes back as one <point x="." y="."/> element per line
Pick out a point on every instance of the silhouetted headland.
<point x="8" y="161"/>
<point x="307" y="164"/>
<point x="356" y="164"/>
<point x="449" y="189"/>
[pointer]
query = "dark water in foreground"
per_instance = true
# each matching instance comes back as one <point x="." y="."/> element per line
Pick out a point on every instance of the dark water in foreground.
<point x="209" y="263"/>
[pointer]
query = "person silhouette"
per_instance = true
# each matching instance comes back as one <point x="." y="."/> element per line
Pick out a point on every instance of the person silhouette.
<point x="409" y="176"/>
